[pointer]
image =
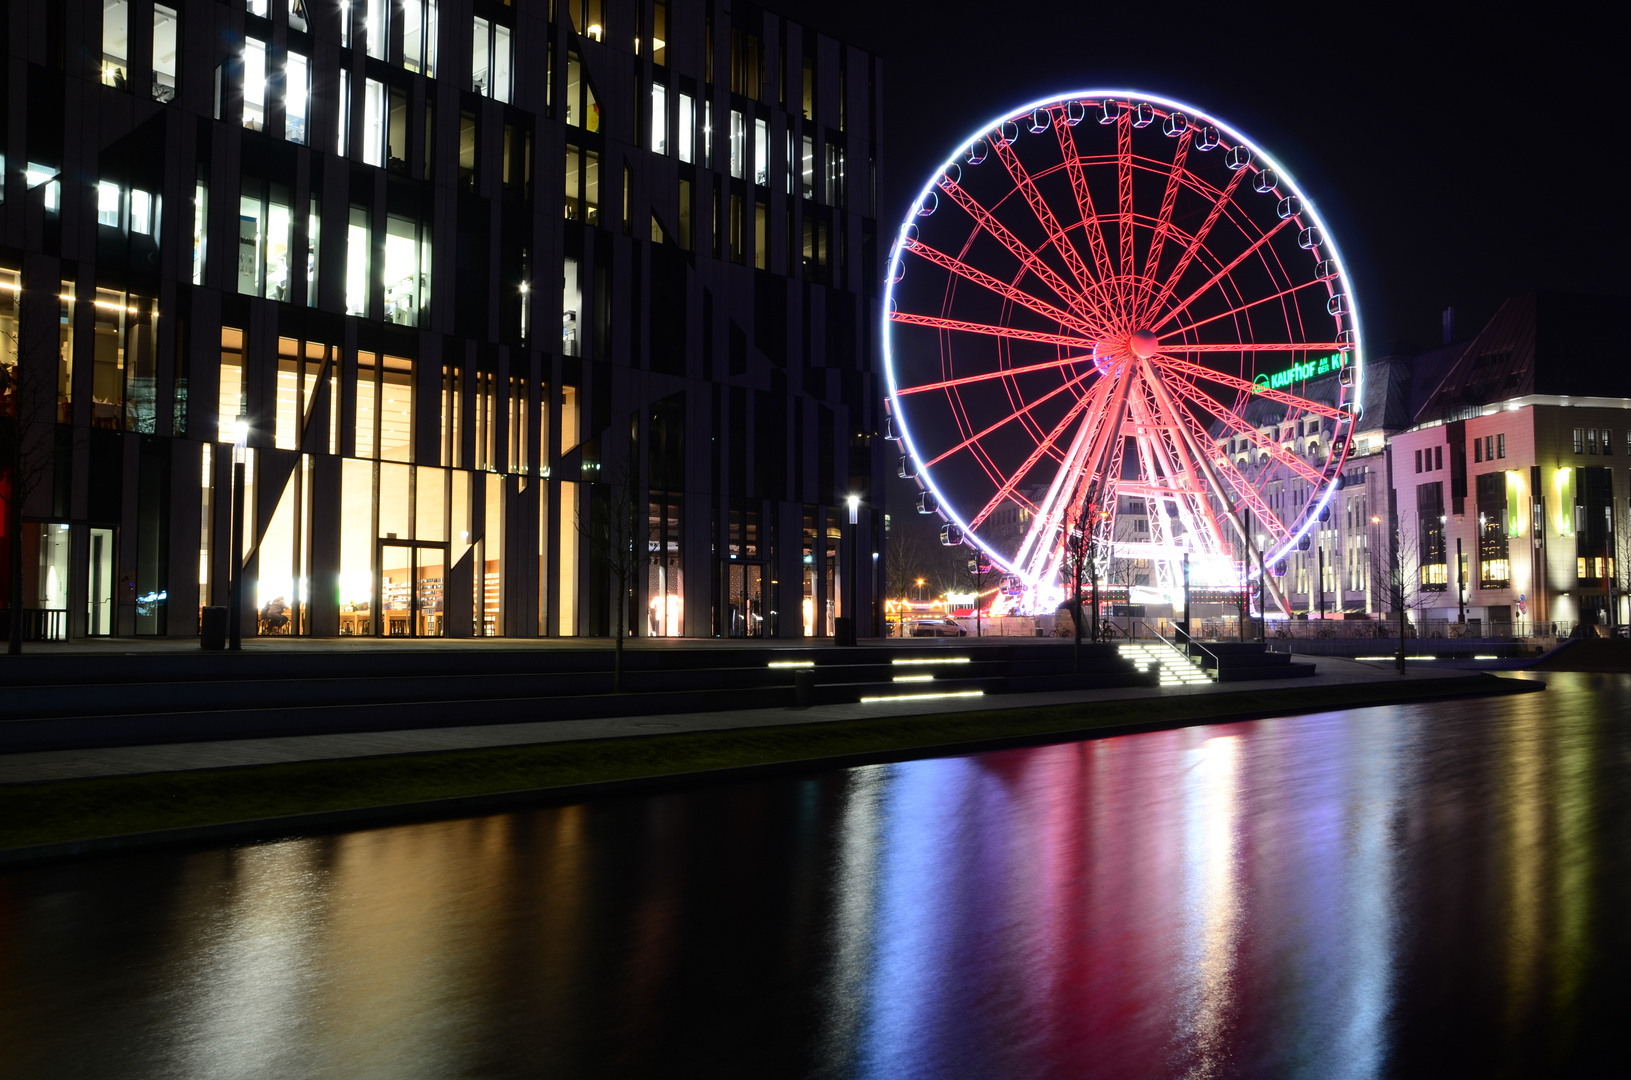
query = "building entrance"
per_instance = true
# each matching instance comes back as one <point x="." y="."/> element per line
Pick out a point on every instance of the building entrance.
<point x="744" y="599"/>
<point x="410" y="589"/>
<point x="99" y="594"/>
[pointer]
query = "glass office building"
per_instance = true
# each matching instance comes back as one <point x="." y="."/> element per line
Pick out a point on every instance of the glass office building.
<point x="333" y="240"/>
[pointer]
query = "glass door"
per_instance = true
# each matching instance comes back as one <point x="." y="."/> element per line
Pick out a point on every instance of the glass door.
<point x="744" y="601"/>
<point x="410" y="589"/>
<point x="99" y="599"/>
<point x="396" y="590"/>
<point x="429" y="567"/>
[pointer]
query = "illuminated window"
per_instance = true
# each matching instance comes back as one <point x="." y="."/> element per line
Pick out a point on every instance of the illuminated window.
<point x="297" y="97"/>
<point x="165" y="33"/>
<point x="312" y="237"/>
<point x="377" y="16"/>
<point x="490" y="60"/>
<point x="685" y="128"/>
<point x="298" y="19"/>
<point x="659" y="118"/>
<point x="1579" y="440"/>
<point x="109" y="198"/>
<point x="144" y="212"/>
<point x="419" y="36"/>
<point x="407" y="262"/>
<point x="357" y="259"/>
<point x="739" y="149"/>
<point x="254" y="117"/>
<point x="373" y="122"/>
<point x="342" y="142"/>
<point x="761" y="153"/>
<point x="1603" y="438"/>
<point x="115" y="43"/>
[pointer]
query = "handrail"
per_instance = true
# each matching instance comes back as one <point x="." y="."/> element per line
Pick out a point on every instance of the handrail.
<point x="1172" y="645"/>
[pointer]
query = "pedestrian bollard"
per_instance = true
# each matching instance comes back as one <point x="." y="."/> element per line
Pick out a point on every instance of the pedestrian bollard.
<point x="804" y="687"/>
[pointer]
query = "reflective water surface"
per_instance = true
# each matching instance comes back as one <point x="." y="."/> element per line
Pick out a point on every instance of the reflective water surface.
<point x="1438" y="890"/>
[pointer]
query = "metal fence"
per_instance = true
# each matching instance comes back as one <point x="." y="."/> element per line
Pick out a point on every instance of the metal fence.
<point x="39" y="624"/>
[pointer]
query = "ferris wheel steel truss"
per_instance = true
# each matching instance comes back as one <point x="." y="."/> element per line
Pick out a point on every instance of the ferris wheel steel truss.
<point x="1148" y="353"/>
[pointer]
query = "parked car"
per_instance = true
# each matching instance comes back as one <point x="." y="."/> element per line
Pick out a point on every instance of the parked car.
<point x="937" y="628"/>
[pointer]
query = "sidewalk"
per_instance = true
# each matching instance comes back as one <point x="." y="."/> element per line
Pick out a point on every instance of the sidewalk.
<point x="38" y="766"/>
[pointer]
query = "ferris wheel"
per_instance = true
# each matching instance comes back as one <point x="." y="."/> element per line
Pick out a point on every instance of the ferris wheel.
<point x="1108" y="310"/>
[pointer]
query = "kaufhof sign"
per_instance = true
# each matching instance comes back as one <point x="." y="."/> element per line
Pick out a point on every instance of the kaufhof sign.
<point x="1300" y="372"/>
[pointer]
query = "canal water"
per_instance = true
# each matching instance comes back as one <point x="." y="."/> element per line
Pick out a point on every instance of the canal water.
<point x="1435" y="890"/>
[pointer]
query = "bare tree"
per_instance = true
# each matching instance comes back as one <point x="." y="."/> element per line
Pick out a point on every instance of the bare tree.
<point x="617" y="539"/>
<point x="28" y="397"/>
<point x="1084" y="558"/>
<point x="1395" y="568"/>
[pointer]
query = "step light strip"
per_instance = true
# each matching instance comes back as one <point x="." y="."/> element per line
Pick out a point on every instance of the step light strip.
<point x="914" y="678"/>
<point x="791" y="663"/>
<point x="923" y="697"/>
<point x="940" y="660"/>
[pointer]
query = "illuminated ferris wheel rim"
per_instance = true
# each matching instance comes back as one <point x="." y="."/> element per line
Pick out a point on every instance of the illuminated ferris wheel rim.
<point x="945" y="507"/>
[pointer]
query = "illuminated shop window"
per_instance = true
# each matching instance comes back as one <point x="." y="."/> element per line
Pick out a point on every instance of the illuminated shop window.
<point x="231" y="402"/>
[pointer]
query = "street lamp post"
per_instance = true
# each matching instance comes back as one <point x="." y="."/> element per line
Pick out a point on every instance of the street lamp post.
<point x="235" y="562"/>
<point x="1461" y="581"/>
<point x="851" y="593"/>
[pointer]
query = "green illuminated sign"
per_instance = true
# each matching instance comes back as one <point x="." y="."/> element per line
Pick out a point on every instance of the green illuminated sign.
<point x="1299" y="372"/>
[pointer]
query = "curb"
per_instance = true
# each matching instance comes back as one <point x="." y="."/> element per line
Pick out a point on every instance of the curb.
<point x="330" y="821"/>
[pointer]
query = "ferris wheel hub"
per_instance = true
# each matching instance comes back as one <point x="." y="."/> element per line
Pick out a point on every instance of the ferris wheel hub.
<point x="1144" y="344"/>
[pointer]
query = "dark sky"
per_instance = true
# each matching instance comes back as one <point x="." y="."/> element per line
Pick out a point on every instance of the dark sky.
<point x="1459" y="155"/>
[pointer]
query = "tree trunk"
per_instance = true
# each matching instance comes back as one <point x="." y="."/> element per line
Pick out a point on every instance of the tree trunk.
<point x="1076" y="619"/>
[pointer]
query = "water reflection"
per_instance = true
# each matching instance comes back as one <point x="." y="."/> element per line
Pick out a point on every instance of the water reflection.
<point x="1380" y="892"/>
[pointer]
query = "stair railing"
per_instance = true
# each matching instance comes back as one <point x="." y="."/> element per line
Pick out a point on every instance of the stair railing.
<point x="1174" y="647"/>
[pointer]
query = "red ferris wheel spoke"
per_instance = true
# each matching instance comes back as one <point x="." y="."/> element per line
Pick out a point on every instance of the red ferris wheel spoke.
<point x="1044" y="213"/>
<point x="1002" y="289"/>
<point x="1255" y="246"/>
<point x="1010" y="418"/>
<point x="1199" y="442"/>
<point x="1243" y="307"/>
<point x="1273" y="449"/>
<point x="1163" y="223"/>
<point x="1253" y="346"/>
<point x="1084" y="197"/>
<point x="1009" y="332"/>
<point x="1094" y="400"/>
<point x="1124" y="187"/>
<point x="1028" y="258"/>
<point x="1196" y="371"/>
<point x="986" y="376"/>
<point x="1197" y="241"/>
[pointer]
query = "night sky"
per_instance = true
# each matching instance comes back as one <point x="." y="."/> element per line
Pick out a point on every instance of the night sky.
<point x="1460" y="155"/>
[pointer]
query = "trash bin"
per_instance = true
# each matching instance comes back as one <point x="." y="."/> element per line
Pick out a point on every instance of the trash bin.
<point x="213" y="628"/>
<point x="843" y="631"/>
<point x="804" y="681"/>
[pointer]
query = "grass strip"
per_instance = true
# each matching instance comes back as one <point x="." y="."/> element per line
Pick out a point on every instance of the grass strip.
<point x="67" y="810"/>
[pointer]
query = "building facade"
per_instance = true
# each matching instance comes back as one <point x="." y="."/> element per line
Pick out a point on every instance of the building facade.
<point x="1510" y="504"/>
<point x="334" y="238"/>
